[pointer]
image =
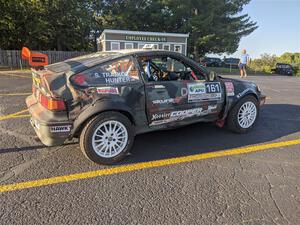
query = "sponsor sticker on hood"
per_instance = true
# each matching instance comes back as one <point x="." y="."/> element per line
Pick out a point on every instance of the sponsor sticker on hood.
<point x="229" y="88"/>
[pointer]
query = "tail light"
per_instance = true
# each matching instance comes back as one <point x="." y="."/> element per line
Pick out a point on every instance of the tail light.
<point x="33" y="89"/>
<point x="52" y="104"/>
<point x="79" y="79"/>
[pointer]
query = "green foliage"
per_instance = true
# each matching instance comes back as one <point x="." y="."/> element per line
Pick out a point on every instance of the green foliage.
<point x="268" y="62"/>
<point x="44" y="25"/>
<point x="215" y="26"/>
<point x="265" y="64"/>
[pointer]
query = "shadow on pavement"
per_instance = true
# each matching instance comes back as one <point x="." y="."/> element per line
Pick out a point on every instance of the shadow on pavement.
<point x="275" y="121"/>
<point x="29" y="148"/>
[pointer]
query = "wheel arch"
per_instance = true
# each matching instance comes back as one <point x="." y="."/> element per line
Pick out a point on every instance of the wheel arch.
<point x="238" y="98"/>
<point x="245" y="93"/>
<point x="96" y="109"/>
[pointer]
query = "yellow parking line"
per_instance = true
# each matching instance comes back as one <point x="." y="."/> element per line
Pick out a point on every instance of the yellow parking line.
<point x="143" y="165"/>
<point x="15" y="75"/>
<point x="20" y="116"/>
<point x="15" y="94"/>
<point x="9" y="116"/>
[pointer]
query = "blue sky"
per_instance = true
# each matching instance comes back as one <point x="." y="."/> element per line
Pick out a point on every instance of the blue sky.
<point x="279" y="27"/>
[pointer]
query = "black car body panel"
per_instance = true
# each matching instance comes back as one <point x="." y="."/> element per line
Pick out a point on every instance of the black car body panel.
<point x="181" y="97"/>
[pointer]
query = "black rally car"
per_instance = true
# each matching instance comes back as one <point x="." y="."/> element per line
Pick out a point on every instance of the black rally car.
<point x="106" y="98"/>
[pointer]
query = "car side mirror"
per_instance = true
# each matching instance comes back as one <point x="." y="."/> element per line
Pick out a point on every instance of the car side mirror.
<point x="212" y="76"/>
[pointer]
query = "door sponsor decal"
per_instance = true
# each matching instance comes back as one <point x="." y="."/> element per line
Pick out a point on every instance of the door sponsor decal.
<point x="60" y="129"/>
<point x="163" y="101"/>
<point x="243" y="92"/>
<point x="108" y="90"/>
<point x="229" y="88"/>
<point x="167" y="117"/>
<point x="204" y="92"/>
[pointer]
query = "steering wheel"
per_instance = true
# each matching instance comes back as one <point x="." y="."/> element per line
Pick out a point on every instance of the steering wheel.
<point x="155" y="76"/>
<point x="185" y="75"/>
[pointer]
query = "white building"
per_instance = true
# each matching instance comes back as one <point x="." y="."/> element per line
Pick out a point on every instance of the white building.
<point x="111" y="40"/>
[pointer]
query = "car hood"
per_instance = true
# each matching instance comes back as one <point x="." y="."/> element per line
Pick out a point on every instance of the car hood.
<point x="242" y="83"/>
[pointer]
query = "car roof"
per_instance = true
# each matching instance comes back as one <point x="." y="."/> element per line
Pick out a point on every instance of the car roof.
<point x="85" y="61"/>
<point x="81" y="63"/>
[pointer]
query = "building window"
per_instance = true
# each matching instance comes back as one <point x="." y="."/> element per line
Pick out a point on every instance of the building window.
<point x="128" y="45"/>
<point x="155" y="46"/>
<point x="114" y="46"/>
<point x="166" y="47"/>
<point x="177" y="48"/>
<point x="140" y="46"/>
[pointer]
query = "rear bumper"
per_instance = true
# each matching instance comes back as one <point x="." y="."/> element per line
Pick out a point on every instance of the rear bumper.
<point x="51" y="128"/>
<point x="262" y="100"/>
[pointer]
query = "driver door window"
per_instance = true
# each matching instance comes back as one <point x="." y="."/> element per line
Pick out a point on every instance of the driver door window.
<point x="168" y="69"/>
<point x="166" y="88"/>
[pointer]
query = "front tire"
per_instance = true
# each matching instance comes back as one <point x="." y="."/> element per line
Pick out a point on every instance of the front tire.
<point x="243" y="115"/>
<point x="107" y="138"/>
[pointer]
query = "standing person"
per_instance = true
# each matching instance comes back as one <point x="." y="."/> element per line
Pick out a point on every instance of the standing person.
<point x="244" y="61"/>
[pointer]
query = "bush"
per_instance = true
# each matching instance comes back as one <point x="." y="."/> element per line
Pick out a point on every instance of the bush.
<point x="267" y="62"/>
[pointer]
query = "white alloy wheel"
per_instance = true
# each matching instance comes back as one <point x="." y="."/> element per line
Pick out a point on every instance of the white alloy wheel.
<point x="247" y="114"/>
<point x="109" y="139"/>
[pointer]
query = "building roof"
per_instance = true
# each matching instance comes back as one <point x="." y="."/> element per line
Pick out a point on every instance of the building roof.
<point x="129" y="32"/>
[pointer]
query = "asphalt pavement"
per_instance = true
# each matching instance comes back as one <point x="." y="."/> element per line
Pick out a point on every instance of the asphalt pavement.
<point x="258" y="187"/>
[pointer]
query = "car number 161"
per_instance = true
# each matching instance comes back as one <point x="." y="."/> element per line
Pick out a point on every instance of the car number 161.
<point x="213" y="87"/>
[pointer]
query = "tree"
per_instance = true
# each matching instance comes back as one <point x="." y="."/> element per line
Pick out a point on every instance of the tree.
<point x="47" y="24"/>
<point x="215" y="26"/>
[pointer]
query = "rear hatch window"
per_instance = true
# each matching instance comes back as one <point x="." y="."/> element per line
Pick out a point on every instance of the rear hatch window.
<point x="80" y="63"/>
<point x="116" y="71"/>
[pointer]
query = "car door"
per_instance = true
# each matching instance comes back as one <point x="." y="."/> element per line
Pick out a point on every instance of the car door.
<point x="178" y="99"/>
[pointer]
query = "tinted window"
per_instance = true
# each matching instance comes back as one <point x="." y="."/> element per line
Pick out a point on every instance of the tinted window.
<point x="112" y="72"/>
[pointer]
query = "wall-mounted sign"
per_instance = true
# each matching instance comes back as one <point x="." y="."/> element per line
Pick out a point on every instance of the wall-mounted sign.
<point x="145" y="38"/>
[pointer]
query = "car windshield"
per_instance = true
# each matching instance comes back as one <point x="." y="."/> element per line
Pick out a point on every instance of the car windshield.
<point x="283" y="66"/>
<point x="81" y="62"/>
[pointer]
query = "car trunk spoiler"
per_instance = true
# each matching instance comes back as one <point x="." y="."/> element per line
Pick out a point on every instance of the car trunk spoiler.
<point x="35" y="59"/>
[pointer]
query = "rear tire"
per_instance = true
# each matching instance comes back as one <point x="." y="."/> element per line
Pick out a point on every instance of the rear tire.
<point x="243" y="115"/>
<point x="107" y="138"/>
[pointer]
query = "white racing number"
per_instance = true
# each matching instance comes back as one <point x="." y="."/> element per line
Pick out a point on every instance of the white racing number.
<point x="213" y="87"/>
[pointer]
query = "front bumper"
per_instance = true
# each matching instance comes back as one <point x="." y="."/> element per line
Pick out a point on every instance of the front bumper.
<point x="52" y="128"/>
<point x="262" y="100"/>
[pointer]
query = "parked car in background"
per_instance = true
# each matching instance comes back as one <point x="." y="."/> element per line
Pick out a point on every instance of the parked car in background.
<point x="231" y="62"/>
<point x="284" y="69"/>
<point x="212" y="62"/>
